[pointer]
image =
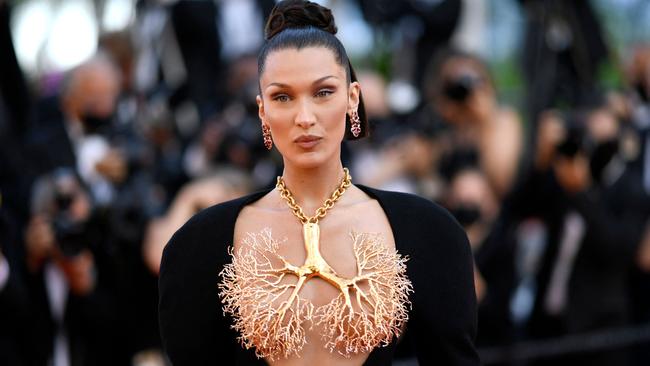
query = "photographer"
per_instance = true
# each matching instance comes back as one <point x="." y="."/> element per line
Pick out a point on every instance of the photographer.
<point x="15" y="323"/>
<point x="588" y="199"/>
<point x="462" y="93"/>
<point x="492" y="236"/>
<point x="71" y="129"/>
<point x="69" y="276"/>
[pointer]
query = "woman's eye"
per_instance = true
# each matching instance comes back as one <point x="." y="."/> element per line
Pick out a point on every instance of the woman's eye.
<point x="281" y="98"/>
<point x="324" y="92"/>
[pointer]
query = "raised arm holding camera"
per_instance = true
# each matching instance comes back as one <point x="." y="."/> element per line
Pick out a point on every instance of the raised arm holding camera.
<point x="57" y="231"/>
<point x="463" y="94"/>
<point x="70" y="278"/>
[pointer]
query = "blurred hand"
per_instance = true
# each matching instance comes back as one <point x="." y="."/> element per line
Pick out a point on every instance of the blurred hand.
<point x="415" y="154"/>
<point x="643" y="255"/>
<point x="79" y="271"/>
<point x="39" y="241"/>
<point x="193" y="197"/>
<point x="201" y="194"/>
<point x="113" y="166"/>
<point x="573" y="173"/>
<point x="481" y="105"/>
<point x="480" y="285"/>
<point x="620" y="105"/>
<point x="550" y="133"/>
<point x="211" y="138"/>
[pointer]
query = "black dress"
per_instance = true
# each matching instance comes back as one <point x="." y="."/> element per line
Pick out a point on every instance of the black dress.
<point x="442" y="321"/>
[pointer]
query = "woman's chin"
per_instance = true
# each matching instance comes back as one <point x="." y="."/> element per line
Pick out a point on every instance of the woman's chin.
<point x="308" y="160"/>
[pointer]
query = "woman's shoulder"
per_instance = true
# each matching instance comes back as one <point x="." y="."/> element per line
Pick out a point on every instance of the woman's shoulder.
<point x="189" y="306"/>
<point x="221" y="216"/>
<point x="398" y="204"/>
<point x="421" y="227"/>
<point x="440" y="268"/>
<point x="208" y="232"/>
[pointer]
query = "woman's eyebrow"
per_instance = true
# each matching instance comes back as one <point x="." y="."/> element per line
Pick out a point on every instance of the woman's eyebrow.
<point x="317" y="81"/>
<point x="279" y="85"/>
<point x="320" y="80"/>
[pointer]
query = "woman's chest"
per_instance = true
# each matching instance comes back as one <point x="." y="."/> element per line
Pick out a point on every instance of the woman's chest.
<point x="341" y="285"/>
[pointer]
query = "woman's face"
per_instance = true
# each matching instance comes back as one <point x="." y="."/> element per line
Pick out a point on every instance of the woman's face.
<point x="305" y="98"/>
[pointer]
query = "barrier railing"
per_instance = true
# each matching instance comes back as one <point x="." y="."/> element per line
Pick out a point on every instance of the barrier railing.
<point x="598" y="340"/>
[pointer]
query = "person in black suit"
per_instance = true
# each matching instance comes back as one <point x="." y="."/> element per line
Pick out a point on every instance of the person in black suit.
<point x="593" y="209"/>
<point x="69" y="130"/>
<point x="15" y="316"/>
<point x="70" y="277"/>
<point x="636" y="103"/>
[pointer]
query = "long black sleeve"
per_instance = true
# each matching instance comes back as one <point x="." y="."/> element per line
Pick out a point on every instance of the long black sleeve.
<point x="193" y="327"/>
<point x="444" y="317"/>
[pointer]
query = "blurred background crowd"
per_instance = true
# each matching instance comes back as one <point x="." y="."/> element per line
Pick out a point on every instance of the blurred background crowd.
<point x="529" y="120"/>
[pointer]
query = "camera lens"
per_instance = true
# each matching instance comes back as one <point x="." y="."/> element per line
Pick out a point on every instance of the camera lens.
<point x="63" y="201"/>
<point x="70" y="235"/>
<point x="459" y="88"/>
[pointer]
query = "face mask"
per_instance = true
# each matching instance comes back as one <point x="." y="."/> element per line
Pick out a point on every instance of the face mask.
<point x="466" y="213"/>
<point x="601" y="156"/>
<point x="641" y="90"/>
<point x="95" y="124"/>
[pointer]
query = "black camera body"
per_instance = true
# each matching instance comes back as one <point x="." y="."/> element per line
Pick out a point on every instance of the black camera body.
<point x="460" y="87"/>
<point x="577" y="140"/>
<point x="71" y="235"/>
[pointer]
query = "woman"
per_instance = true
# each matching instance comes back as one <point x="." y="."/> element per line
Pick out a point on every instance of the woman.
<point x="339" y="291"/>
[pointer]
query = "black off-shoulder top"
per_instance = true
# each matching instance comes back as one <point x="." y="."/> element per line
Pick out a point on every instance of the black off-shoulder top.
<point x="442" y="321"/>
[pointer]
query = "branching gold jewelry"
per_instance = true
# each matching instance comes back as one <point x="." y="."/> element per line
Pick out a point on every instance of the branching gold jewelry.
<point x="261" y="291"/>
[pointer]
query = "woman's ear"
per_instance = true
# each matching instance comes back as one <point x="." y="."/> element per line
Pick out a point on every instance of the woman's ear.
<point x="260" y="107"/>
<point x="353" y="96"/>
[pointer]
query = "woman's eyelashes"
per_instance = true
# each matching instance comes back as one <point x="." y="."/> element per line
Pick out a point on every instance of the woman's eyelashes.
<point x="280" y="98"/>
<point x="285" y="97"/>
<point x="325" y="92"/>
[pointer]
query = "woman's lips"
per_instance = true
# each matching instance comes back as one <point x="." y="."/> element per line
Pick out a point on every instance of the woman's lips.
<point x="308" y="141"/>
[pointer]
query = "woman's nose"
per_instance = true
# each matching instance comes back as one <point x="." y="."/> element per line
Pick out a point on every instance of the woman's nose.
<point x="305" y="117"/>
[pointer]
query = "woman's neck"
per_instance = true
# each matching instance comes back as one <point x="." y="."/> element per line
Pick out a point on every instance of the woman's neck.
<point x="311" y="187"/>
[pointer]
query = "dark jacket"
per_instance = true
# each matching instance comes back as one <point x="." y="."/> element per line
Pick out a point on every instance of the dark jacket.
<point x="442" y="319"/>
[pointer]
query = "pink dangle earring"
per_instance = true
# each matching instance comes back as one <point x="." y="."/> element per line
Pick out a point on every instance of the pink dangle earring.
<point x="355" y="124"/>
<point x="266" y="133"/>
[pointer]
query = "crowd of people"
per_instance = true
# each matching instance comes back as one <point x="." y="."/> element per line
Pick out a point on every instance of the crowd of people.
<point x="99" y="167"/>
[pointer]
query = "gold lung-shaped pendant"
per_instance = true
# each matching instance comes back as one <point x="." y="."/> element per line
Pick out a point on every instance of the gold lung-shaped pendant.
<point x="261" y="291"/>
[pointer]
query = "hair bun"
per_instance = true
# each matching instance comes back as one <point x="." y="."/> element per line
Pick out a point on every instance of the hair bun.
<point x="298" y="14"/>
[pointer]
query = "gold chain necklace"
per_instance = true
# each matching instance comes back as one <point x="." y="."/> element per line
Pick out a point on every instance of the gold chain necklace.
<point x="315" y="264"/>
<point x="322" y="211"/>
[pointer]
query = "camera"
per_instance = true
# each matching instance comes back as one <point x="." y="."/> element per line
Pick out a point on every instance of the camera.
<point x="57" y="195"/>
<point x="575" y="138"/>
<point x="460" y="87"/>
<point x="70" y="231"/>
<point x="70" y="235"/>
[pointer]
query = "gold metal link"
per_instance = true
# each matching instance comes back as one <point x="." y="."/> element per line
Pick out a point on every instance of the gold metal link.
<point x="322" y="211"/>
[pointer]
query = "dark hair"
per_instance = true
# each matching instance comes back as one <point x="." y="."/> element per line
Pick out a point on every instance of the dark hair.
<point x="299" y="24"/>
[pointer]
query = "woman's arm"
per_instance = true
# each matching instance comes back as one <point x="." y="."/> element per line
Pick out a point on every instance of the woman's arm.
<point x="445" y="312"/>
